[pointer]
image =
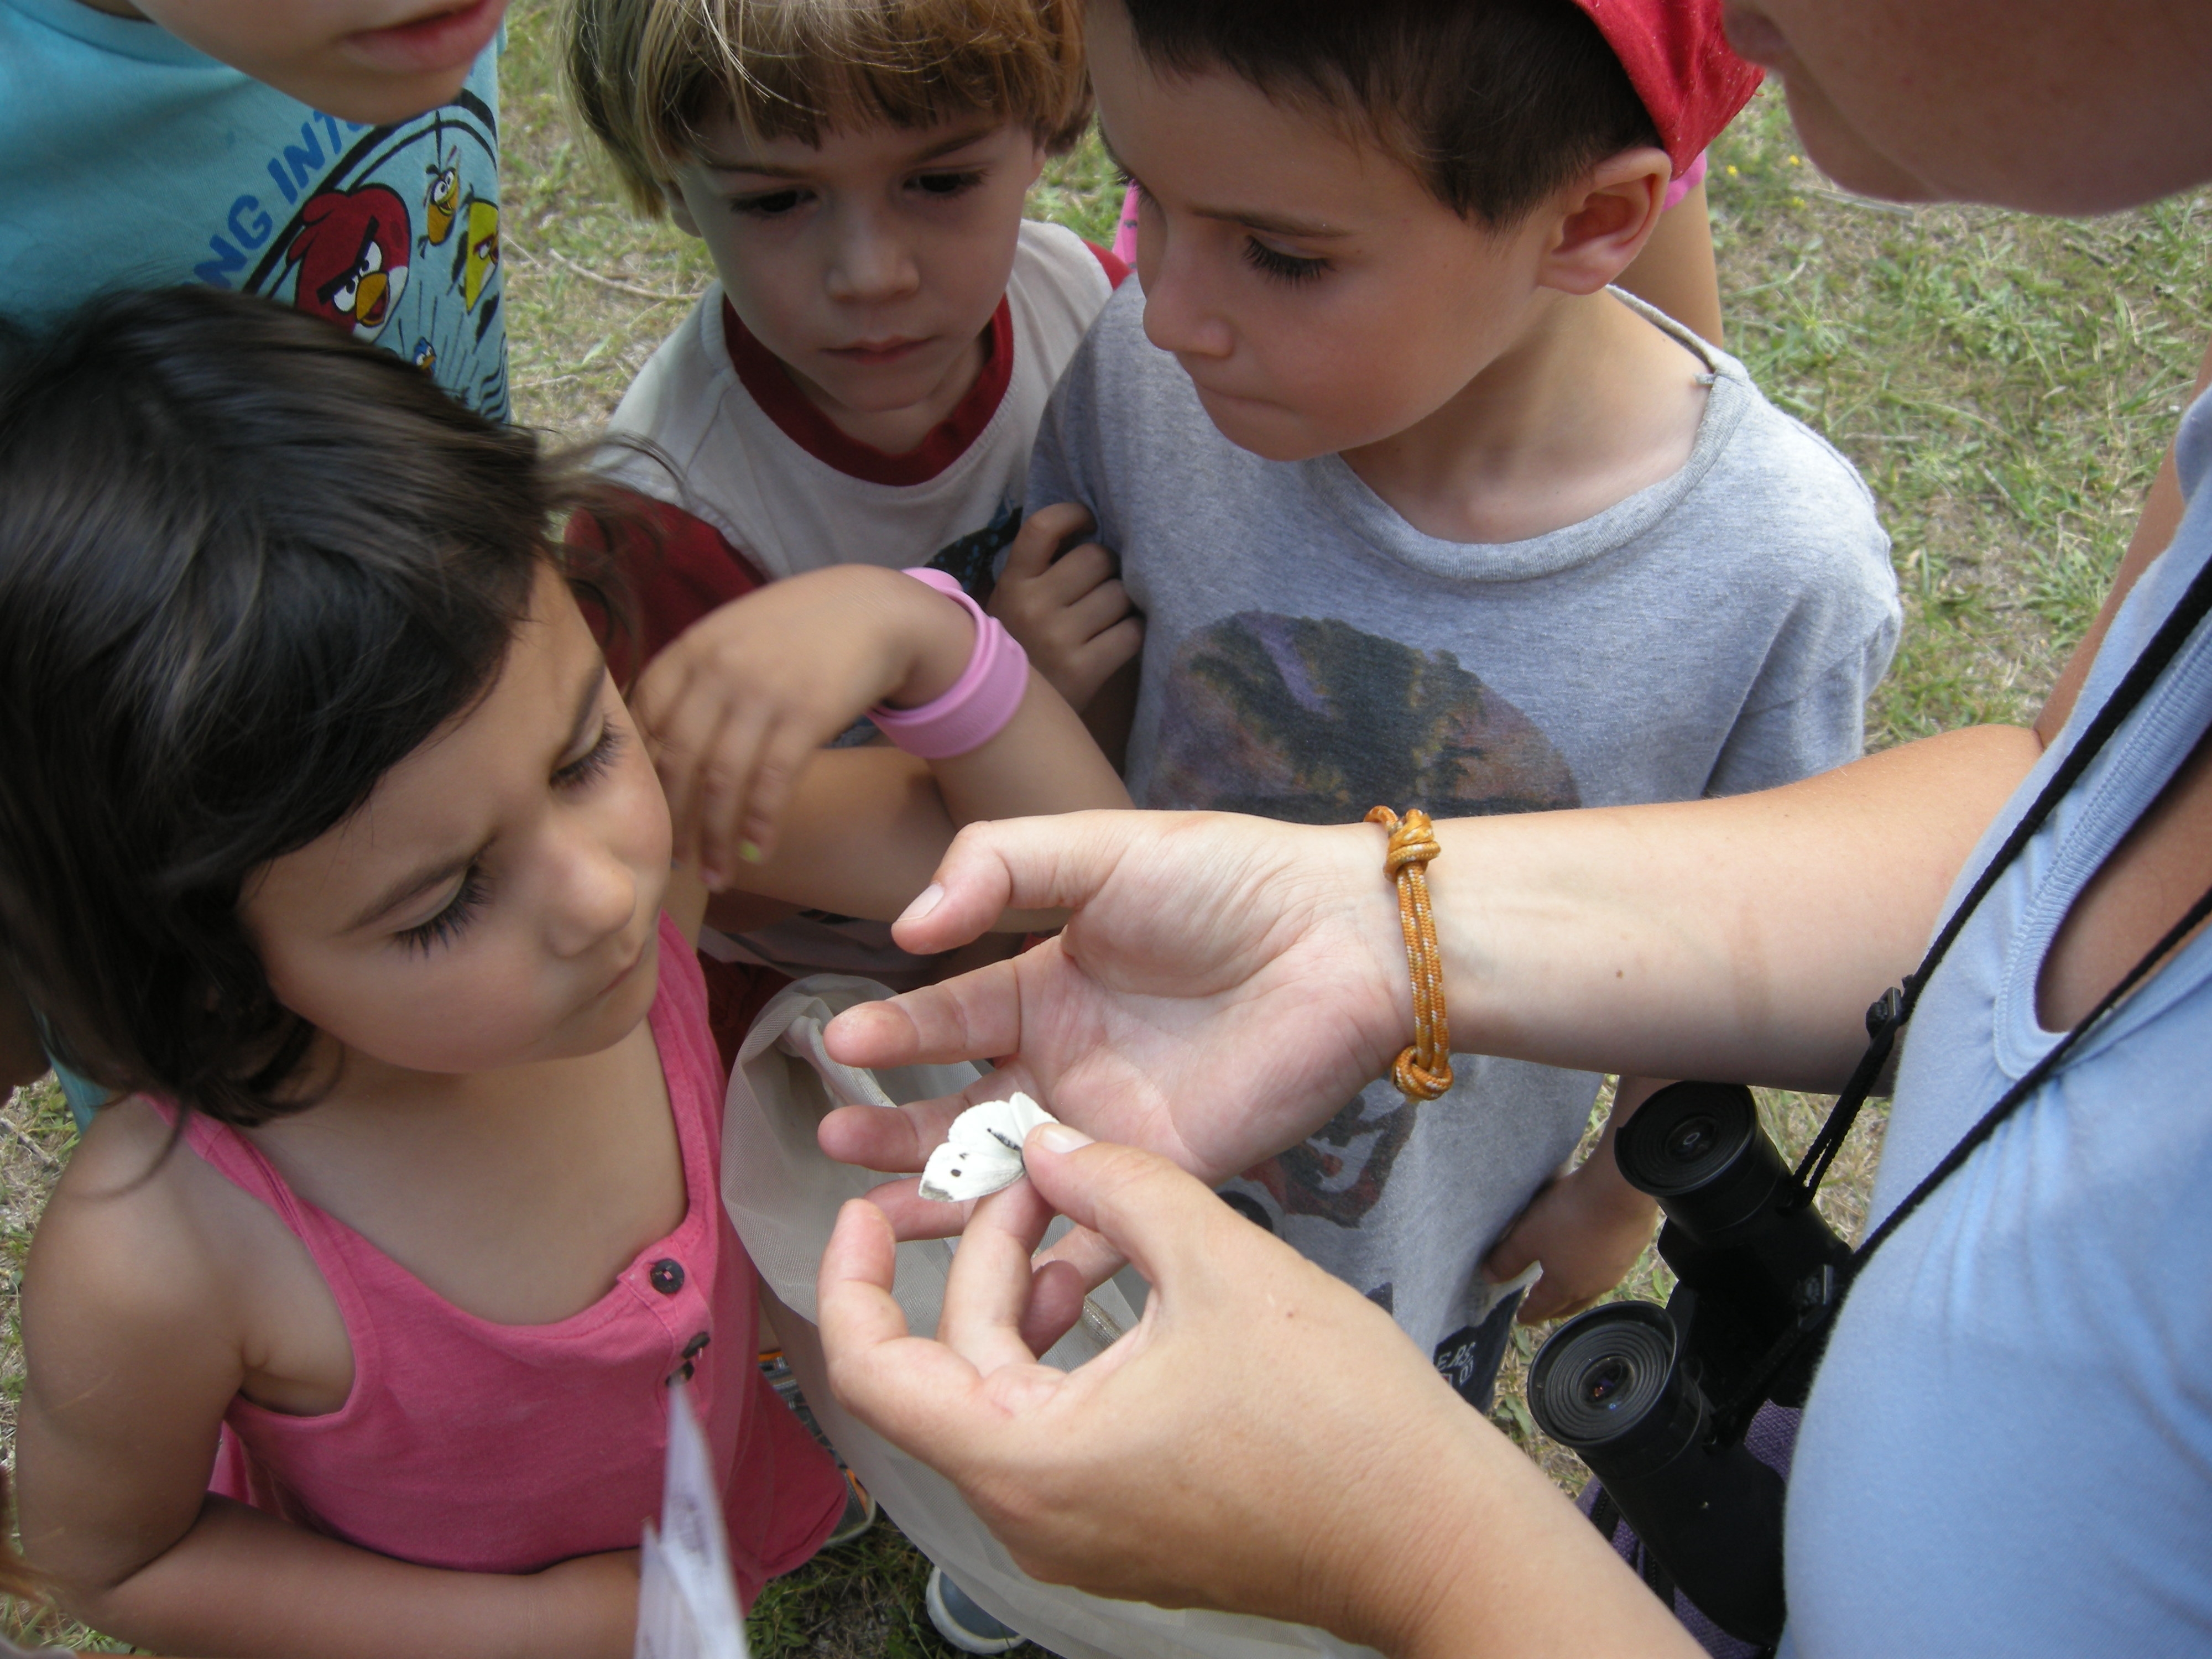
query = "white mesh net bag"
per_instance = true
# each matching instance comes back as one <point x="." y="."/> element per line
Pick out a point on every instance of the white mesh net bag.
<point x="782" y="1194"/>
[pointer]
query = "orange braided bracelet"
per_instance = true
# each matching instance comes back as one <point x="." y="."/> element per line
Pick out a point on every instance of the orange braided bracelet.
<point x="1424" y="1071"/>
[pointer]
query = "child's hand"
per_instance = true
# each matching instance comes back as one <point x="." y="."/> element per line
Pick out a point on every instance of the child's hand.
<point x="737" y="706"/>
<point x="1070" y="613"/>
<point x="1587" y="1227"/>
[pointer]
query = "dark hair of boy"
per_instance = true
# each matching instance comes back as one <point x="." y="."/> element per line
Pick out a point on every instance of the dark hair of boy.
<point x="246" y="565"/>
<point x="1494" y="104"/>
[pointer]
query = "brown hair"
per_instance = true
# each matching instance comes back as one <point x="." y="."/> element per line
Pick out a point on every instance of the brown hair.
<point x="248" y="565"/>
<point x="646" y="73"/>
<point x="1493" y="106"/>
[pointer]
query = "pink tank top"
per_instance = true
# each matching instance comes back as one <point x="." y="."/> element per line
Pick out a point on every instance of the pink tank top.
<point x="487" y="1448"/>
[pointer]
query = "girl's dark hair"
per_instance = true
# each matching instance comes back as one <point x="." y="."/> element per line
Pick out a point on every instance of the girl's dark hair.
<point x="1494" y="104"/>
<point x="247" y="566"/>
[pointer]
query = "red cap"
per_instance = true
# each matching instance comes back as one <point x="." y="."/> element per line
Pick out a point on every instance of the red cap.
<point x="1681" y="65"/>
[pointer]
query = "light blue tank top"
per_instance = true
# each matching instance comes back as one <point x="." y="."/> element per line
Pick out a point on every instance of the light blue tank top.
<point x="133" y="160"/>
<point x="2009" y="1449"/>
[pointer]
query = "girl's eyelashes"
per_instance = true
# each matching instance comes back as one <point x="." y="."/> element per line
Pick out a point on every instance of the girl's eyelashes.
<point x="469" y="897"/>
<point x="450" y="922"/>
<point x="1280" y="266"/>
<point x="944" y="185"/>
<point x="593" y="763"/>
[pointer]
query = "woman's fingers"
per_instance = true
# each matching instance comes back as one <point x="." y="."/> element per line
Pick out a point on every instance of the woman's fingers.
<point x="975" y="1016"/>
<point x="1149" y="1211"/>
<point x="1019" y="864"/>
<point x="987" y="1292"/>
<point x="1056" y="1299"/>
<point x="912" y="1390"/>
<point x="1088" y="1255"/>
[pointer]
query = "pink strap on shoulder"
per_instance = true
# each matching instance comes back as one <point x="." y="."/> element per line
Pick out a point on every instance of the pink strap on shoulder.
<point x="978" y="705"/>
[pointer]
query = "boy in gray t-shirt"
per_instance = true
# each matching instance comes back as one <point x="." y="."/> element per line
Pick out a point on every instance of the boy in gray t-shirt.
<point x="1421" y="513"/>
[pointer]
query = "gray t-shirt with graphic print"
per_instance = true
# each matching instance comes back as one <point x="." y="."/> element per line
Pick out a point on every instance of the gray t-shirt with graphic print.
<point x="1309" y="654"/>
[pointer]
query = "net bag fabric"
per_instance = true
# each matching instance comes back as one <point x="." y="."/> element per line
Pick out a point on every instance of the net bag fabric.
<point x="782" y="1195"/>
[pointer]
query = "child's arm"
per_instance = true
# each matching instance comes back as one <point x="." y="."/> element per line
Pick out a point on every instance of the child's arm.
<point x="737" y="710"/>
<point x="1587" y="1226"/>
<point x="1068" y="611"/>
<point x="147" y="1306"/>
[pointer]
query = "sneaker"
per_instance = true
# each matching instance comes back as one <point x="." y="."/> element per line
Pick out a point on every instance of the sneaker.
<point x="963" y="1623"/>
<point x="859" y="1513"/>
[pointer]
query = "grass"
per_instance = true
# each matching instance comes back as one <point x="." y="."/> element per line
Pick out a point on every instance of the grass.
<point x="2007" y="385"/>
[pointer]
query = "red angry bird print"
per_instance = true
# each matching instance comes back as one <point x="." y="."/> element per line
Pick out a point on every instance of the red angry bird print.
<point x="352" y="251"/>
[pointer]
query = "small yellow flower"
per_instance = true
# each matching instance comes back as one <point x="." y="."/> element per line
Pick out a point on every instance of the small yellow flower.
<point x="1732" y="170"/>
<point x="1796" y="201"/>
<point x="1794" y="162"/>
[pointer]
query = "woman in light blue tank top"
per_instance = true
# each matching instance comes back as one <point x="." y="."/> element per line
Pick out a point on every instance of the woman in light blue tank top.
<point x="2008" y="1446"/>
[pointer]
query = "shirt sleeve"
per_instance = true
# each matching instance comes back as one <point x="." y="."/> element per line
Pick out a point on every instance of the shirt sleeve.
<point x="1822" y="727"/>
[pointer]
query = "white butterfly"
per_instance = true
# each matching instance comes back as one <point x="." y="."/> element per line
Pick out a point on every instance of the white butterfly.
<point x="983" y="1151"/>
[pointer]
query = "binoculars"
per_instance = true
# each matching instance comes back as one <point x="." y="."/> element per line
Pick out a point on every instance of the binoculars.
<point x="1656" y="1400"/>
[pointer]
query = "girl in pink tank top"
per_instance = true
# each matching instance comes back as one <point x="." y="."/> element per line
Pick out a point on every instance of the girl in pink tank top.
<point x="328" y="841"/>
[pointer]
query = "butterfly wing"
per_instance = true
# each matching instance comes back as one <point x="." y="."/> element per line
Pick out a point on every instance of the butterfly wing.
<point x="982" y="1151"/>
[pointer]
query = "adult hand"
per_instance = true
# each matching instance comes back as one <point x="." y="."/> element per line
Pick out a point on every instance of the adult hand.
<point x="1225" y="985"/>
<point x="1223" y="1453"/>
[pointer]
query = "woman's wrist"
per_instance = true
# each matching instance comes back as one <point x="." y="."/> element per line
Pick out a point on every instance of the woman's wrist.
<point x="1360" y="850"/>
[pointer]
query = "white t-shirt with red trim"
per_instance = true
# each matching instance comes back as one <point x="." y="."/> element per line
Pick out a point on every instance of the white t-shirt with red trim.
<point x="748" y="455"/>
<point x="756" y="483"/>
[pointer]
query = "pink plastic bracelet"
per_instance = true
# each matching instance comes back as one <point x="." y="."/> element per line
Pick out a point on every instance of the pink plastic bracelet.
<point x="978" y="705"/>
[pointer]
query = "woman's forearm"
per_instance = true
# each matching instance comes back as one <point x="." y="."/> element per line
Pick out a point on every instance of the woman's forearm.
<point x="1739" y="938"/>
<point x="244" y="1583"/>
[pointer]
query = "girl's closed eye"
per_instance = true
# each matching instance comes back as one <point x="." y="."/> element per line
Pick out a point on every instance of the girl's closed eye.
<point x="1273" y="263"/>
<point x="593" y="763"/>
<point x="454" y="917"/>
<point x="450" y="922"/>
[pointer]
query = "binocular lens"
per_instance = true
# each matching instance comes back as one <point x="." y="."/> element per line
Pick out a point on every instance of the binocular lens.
<point x="1692" y="1138"/>
<point x="1606" y="1379"/>
<point x="1602" y="1380"/>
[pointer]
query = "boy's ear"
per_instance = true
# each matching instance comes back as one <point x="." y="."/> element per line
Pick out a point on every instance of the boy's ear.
<point x="679" y="209"/>
<point x="1604" y="220"/>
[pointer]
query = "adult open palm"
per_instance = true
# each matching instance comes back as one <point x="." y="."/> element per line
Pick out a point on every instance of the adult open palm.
<point x="1224" y="985"/>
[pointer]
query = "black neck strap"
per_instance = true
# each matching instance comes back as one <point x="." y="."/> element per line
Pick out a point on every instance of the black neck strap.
<point x="1887" y="1019"/>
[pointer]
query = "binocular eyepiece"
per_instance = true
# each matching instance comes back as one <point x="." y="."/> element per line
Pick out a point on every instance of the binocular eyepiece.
<point x="1656" y="1400"/>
